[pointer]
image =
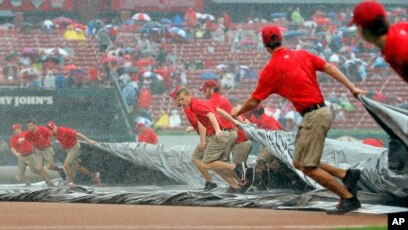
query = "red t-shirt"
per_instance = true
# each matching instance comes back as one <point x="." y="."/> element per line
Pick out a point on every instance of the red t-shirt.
<point x="145" y="99"/>
<point x="93" y="74"/>
<point x="25" y="148"/>
<point x="66" y="136"/>
<point x="395" y="50"/>
<point x="292" y="75"/>
<point x="190" y="17"/>
<point x="191" y="117"/>
<point x="270" y="123"/>
<point x="227" y="21"/>
<point x="241" y="136"/>
<point x="266" y="122"/>
<point x="201" y="108"/>
<point x="41" y="138"/>
<point x="223" y="103"/>
<point x="147" y="136"/>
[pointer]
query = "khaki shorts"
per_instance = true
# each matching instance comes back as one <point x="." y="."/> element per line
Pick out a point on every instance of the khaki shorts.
<point x="44" y="157"/>
<point x="241" y="151"/>
<point x="271" y="161"/>
<point x="219" y="148"/>
<point x="198" y="153"/>
<point x="73" y="153"/>
<point x="25" y="161"/>
<point x="311" y="136"/>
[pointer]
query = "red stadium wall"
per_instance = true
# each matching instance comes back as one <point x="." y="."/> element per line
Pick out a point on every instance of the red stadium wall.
<point x="157" y="5"/>
<point x="40" y="5"/>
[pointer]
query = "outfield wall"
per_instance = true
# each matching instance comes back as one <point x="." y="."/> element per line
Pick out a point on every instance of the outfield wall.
<point x="98" y="113"/>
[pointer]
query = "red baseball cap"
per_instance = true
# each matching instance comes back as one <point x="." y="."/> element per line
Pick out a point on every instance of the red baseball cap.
<point x="365" y="12"/>
<point x="208" y="84"/>
<point x="16" y="126"/>
<point x="271" y="34"/>
<point x="51" y="125"/>
<point x="174" y="92"/>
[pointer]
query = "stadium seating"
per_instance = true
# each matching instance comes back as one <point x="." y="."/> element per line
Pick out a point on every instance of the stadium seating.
<point x="86" y="54"/>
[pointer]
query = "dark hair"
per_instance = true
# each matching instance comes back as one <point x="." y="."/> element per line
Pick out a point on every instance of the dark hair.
<point x="258" y="112"/>
<point x="273" y="45"/>
<point x="33" y="121"/>
<point x="379" y="26"/>
<point x="216" y="89"/>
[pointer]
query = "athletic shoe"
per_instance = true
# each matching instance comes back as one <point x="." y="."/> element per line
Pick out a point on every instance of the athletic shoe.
<point x="209" y="186"/>
<point x="71" y="185"/>
<point x="234" y="190"/>
<point x="345" y="205"/>
<point x="240" y="170"/>
<point x="62" y="173"/>
<point x="97" y="179"/>
<point x="351" y="179"/>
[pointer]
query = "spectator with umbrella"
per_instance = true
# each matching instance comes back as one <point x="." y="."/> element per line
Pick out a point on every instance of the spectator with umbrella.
<point x="104" y="39"/>
<point x="48" y="26"/>
<point x="141" y="17"/>
<point x="62" y="22"/>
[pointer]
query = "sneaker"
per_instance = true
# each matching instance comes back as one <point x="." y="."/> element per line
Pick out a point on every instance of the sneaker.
<point x="71" y="185"/>
<point x="234" y="190"/>
<point x="345" y="205"/>
<point x="209" y="186"/>
<point x="249" y="180"/>
<point x="351" y="179"/>
<point x="97" y="179"/>
<point x="62" y="173"/>
<point x="240" y="170"/>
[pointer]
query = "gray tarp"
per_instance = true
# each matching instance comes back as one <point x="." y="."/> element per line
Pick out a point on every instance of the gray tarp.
<point x="174" y="161"/>
<point x="379" y="185"/>
<point x="392" y="119"/>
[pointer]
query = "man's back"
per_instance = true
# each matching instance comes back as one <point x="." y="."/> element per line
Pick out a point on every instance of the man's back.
<point x="292" y="74"/>
<point x="396" y="49"/>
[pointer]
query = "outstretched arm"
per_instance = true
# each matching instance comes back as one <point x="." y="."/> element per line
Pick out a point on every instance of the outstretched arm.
<point x="202" y="132"/>
<point x="83" y="137"/>
<point x="14" y="151"/>
<point x="215" y="124"/>
<point x="335" y="73"/>
<point x="248" y="105"/>
<point x="227" y="116"/>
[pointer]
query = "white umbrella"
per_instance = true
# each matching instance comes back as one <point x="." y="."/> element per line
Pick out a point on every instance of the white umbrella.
<point x="48" y="23"/>
<point x="56" y="50"/>
<point x="221" y="66"/>
<point x="141" y="17"/>
<point x="205" y="16"/>
<point x="148" y="74"/>
<point x="310" y="24"/>
<point x="352" y="29"/>
<point x="179" y="31"/>
<point x="159" y="77"/>
<point x="29" y="71"/>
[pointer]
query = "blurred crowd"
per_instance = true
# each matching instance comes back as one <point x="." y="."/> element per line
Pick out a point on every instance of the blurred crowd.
<point x="148" y="64"/>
